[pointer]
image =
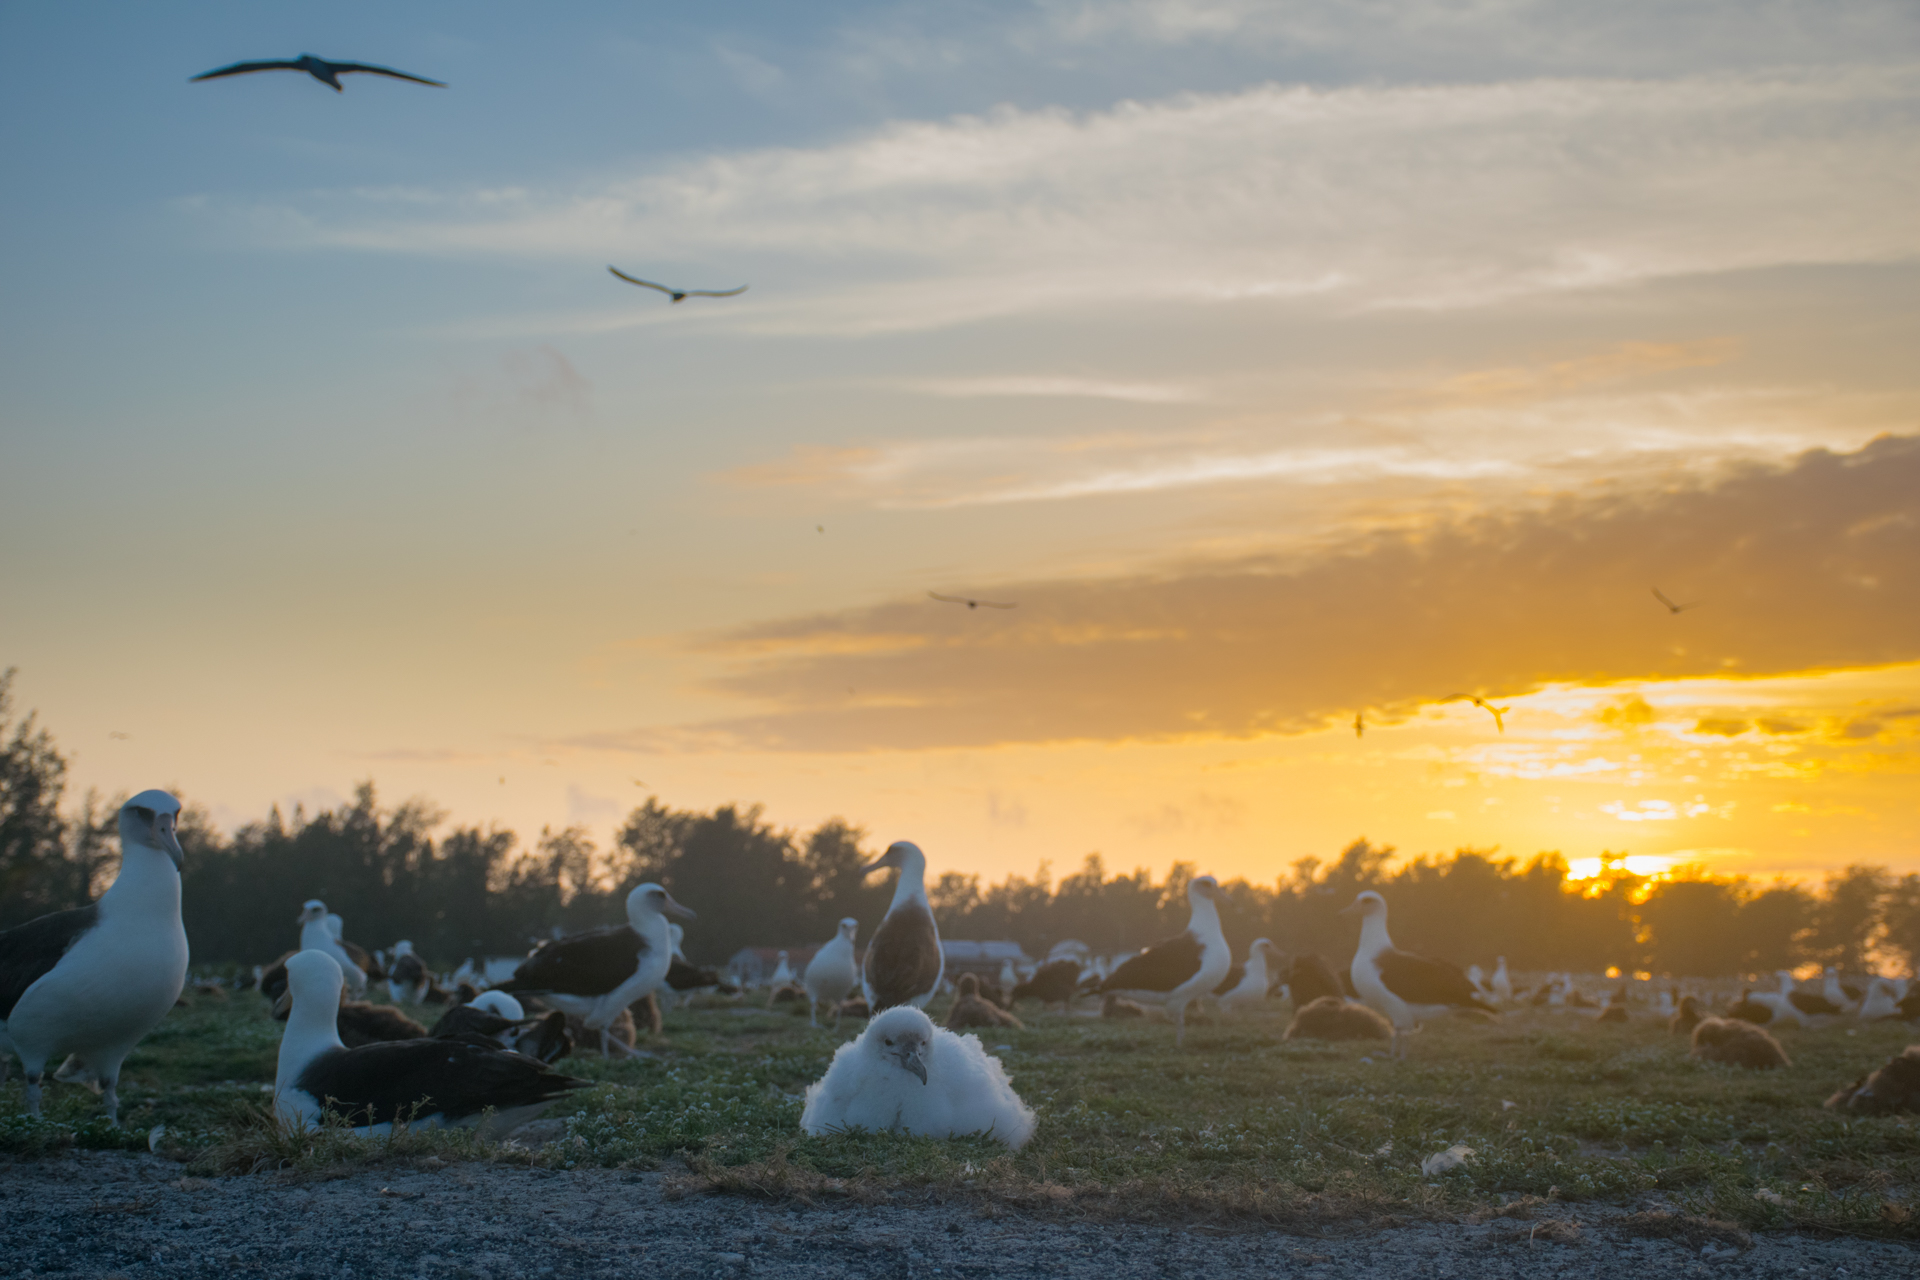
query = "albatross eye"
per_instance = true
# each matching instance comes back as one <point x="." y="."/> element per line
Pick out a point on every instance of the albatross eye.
<point x="146" y="814"/>
<point x="887" y="1042"/>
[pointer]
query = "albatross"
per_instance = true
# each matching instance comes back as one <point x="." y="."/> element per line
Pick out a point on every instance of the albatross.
<point x="93" y="981"/>
<point x="597" y="974"/>
<point x="429" y="1083"/>
<point x="1399" y="984"/>
<point x="327" y="73"/>
<point x="1184" y="967"/>
<point x="904" y="961"/>
<point x="831" y="973"/>
<point x="905" y="1073"/>
<point x="679" y="295"/>
<point x="316" y="934"/>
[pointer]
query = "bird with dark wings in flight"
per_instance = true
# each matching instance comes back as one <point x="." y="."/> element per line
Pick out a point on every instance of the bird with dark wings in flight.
<point x="678" y="295"/>
<point x="1498" y="713"/>
<point x="971" y="604"/>
<point x="327" y="73"/>
<point x="1671" y="606"/>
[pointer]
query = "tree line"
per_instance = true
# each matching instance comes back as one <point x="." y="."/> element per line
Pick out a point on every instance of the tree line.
<point x="392" y="872"/>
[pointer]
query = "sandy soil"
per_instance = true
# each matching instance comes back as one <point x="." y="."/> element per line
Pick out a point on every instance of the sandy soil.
<point x="103" y="1214"/>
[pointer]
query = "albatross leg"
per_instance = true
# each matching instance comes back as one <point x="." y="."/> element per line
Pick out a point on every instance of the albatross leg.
<point x="110" y="1097"/>
<point x="1179" y="1024"/>
<point x="33" y="1092"/>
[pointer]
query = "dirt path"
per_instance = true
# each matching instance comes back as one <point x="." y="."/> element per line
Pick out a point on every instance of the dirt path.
<point x="99" y="1214"/>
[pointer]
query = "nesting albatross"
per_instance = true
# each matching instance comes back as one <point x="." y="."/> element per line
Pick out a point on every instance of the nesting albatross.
<point x="93" y="981"/>
<point x="904" y="961"/>
<point x="905" y="1073"/>
<point x="430" y="1083"/>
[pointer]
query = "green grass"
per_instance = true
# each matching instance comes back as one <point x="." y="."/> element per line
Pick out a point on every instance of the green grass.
<point x="1239" y="1126"/>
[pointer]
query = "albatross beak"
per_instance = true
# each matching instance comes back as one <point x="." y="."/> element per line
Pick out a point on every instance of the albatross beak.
<point x="675" y="909"/>
<point x="910" y="1060"/>
<point x="169" y="840"/>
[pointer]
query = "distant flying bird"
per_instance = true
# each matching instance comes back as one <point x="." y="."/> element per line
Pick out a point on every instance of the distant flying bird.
<point x="1671" y="606"/>
<point x="1498" y="713"/>
<point x="115" y="733"/>
<point x="678" y="295"/>
<point x="1359" y="725"/>
<point x="327" y="73"/>
<point x="971" y="604"/>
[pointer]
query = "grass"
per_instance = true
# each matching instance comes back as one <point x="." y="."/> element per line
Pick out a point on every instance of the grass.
<point x="1238" y="1127"/>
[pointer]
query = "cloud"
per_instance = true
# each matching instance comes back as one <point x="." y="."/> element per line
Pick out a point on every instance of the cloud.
<point x="1806" y="567"/>
<point x="1429" y="196"/>
<point x="1085" y="388"/>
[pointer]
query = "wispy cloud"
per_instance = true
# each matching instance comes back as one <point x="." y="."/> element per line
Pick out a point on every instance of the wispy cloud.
<point x="1048" y="387"/>
<point x="1433" y="197"/>
<point x="1503" y="604"/>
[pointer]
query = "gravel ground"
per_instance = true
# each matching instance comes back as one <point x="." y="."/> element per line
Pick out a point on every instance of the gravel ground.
<point x="107" y="1214"/>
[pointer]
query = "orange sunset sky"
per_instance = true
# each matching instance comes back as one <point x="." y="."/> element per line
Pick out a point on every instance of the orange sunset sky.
<point x="1280" y="364"/>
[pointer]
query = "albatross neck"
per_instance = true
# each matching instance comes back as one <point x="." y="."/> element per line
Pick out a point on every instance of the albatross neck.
<point x="1205" y="917"/>
<point x="912" y="884"/>
<point x="1373" y="934"/>
<point x="147" y="884"/>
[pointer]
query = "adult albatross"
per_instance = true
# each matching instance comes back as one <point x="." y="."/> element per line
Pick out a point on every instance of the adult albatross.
<point x="93" y="981"/>
<point x="904" y="961"/>
<point x="430" y="1083"/>
<point x="316" y="934"/>
<point x="1184" y="967"/>
<point x="1400" y="985"/>
<point x="595" y="975"/>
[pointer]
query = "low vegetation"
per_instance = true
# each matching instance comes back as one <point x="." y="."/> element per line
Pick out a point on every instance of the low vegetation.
<point x="1240" y="1127"/>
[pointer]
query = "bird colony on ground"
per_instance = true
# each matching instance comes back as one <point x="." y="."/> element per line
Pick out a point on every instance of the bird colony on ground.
<point x="83" y="987"/>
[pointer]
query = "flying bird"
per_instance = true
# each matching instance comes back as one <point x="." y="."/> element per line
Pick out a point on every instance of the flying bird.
<point x="971" y="604"/>
<point x="678" y="295"/>
<point x="327" y="73"/>
<point x="1359" y="724"/>
<point x="1498" y="713"/>
<point x="1671" y="606"/>
<point x="115" y="733"/>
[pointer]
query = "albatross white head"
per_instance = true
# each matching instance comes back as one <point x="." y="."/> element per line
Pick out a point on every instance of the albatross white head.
<point x="1205" y="897"/>
<point x="150" y="859"/>
<point x="849" y="929"/>
<point x="151" y="821"/>
<point x="900" y="1038"/>
<point x="648" y="907"/>
<point x="905" y="855"/>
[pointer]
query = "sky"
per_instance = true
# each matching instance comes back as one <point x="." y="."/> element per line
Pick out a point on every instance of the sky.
<point x="1288" y="368"/>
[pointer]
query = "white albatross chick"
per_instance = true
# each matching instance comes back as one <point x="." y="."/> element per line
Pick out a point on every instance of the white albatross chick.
<point x="903" y="1073"/>
<point x="92" y="982"/>
<point x="832" y="971"/>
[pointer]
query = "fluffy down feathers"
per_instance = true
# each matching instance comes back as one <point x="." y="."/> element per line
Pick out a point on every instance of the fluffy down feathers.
<point x="971" y="1009"/>
<point x="1894" y="1087"/>
<point x="1309" y="978"/>
<point x="1688" y="1016"/>
<point x="1334" y="1018"/>
<point x="874" y="1083"/>
<point x="1738" y="1044"/>
<point x="1117" y="1006"/>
